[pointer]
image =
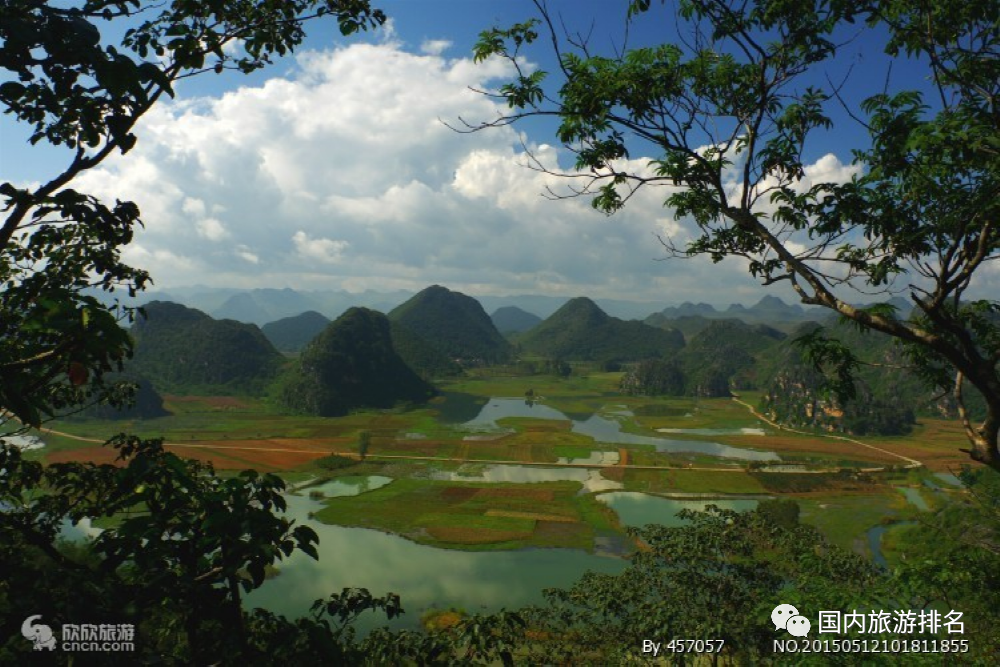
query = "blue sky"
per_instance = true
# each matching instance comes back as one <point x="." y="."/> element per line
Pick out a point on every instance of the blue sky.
<point x="332" y="169"/>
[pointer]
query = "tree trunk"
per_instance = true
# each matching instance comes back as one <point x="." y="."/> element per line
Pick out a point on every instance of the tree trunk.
<point x="984" y="438"/>
<point x="236" y="611"/>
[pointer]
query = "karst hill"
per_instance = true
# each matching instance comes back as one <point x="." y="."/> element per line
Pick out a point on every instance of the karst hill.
<point x="350" y="364"/>
<point x="181" y="350"/>
<point x="581" y="331"/>
<point x="453" y="324"/>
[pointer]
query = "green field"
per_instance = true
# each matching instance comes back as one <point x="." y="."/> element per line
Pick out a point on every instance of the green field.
<point x="408" y="444"/>
<point x="691" y="481"/>
<point x="844" y="520"/>
<point x="468" y="515"/>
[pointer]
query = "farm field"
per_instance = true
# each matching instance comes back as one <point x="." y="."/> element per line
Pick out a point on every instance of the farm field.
<point x="471" y="515"/>
<point x="824" y="473"/>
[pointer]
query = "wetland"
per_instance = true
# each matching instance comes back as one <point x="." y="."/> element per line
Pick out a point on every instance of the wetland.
<point x="482" y="499"/>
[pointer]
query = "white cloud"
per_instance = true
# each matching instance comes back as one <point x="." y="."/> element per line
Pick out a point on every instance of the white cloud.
<point x="342" y="175"/>
<point x="829" y="169"/>
<point x="211" y="229"/>
<point x="435" y="47"/>
<point x="244" y="253"/>
<point x="193" y="207"/>
<point x="159" y="261"/>
<point x="327" y="251"/>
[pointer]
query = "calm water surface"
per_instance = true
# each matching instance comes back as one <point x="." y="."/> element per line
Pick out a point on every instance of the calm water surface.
<point x="424" y="577"/>
<point x="592" y="480"/>
<point x="602" y="429"/>
<point x="638" y="509"/>
<point x="350" y="485"/>
<point x="914" y="497"/>
<point x="949" y="478"/>
<point x="875" y="534"/>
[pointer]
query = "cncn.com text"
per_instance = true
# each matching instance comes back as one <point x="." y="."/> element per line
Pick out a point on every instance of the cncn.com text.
<point x="98" y="646"/>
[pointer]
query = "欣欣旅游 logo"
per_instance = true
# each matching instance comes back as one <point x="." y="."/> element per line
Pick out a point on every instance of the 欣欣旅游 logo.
<point x="38" y="633"/>
<point x="786" y="617"/>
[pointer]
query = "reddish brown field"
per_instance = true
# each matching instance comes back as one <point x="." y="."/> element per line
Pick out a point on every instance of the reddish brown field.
<point x="239" y="459"/>
<point x="457" y="494"/>
<point x="796" y="443"/>
<point x="276" y="454"/>
<point x="271" y="454"/>
<point x="934" y="442"/>
<point x="95" y="454"/>
<point x="220" y="460"/>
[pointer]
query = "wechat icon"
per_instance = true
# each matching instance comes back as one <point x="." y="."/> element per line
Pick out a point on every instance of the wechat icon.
<point x="786" y="617"/>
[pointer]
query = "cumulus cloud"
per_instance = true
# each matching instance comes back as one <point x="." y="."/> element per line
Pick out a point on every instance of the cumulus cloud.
<point x="342" y="174"/>
<point x="211" y="229"/>
<point x="327" y="251"/>
<point x="244" y="253"/>
<point x="435" y="47"/>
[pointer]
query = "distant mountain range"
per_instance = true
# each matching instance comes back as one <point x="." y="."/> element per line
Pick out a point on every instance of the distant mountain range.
<point x="261" y="306"/>
<point x="768" y="309"/>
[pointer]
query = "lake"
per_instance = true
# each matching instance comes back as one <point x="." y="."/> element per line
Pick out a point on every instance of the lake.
<point x="598" y="427"/>
<point x="714" y="431"/>
<point x="638" y="509"/>
<point x="424" y="577"/>
<point x="349" y="485"/>
<point x="591" y="479"/>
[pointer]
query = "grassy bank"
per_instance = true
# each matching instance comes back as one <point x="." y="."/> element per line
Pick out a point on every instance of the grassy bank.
<point x="480" y="516"/>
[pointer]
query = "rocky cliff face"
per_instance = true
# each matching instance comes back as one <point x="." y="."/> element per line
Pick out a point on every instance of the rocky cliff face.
<point x="796" y="397"/>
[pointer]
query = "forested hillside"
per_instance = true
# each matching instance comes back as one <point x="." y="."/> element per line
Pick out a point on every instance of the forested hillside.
<point x="182" y="350"/>
<point x="428" y="361"/>
<point x="581" y="331"/>
<point x="889" y="393"/>
<point x="689" y="325"/>
<point x="351" y="364"/>
<point x="454" y="324"/>
<point x="726" y="354"/>
<point x="731" y="355"/>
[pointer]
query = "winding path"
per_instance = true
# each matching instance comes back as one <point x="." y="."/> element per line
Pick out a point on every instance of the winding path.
<point x="910" y="463"/>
